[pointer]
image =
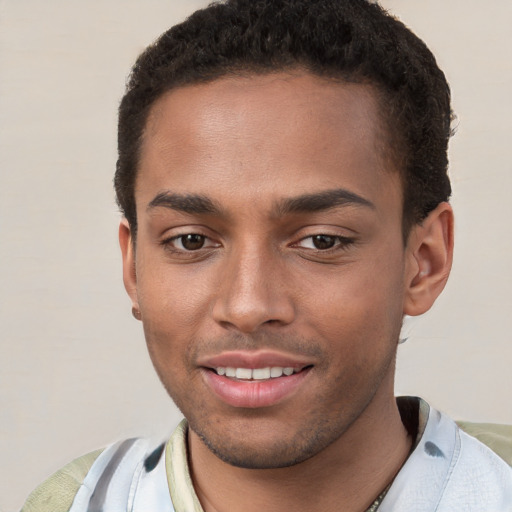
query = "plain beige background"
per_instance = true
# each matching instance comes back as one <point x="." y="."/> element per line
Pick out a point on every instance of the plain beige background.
<point x="74" y="374"/>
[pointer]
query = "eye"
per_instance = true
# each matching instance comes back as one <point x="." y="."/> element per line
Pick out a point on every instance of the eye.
<point x="192" y="242"/>
<point x="189" y="242"/>
<point x="323" y="242"/>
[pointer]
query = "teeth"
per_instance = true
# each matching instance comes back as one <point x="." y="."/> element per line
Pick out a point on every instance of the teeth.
<point x="256" y="373"/>
<point x="243" y="373"/>
<point x="276" y="371"/>
<point x="261" y="373"/>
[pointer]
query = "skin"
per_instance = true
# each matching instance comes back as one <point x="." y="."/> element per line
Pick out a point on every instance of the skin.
<point x="254" y="282"/>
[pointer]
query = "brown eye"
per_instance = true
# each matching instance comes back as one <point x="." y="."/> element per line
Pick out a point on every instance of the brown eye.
<point x="323" y="242"/>
<point x="190" y="245"/>
<point x="192" y="242"/>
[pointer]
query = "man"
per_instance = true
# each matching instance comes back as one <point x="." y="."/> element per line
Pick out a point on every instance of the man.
<point x="282" y="175"/>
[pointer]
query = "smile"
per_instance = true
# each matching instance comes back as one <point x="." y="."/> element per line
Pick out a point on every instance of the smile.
<point x="273" y="372"/>
<point x="255" y="387"/>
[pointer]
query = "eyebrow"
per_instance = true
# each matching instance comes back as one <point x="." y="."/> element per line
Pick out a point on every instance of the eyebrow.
<point x="197" y="204"/>
<point x="321" y="201"/>
<point x="189" y="203"/>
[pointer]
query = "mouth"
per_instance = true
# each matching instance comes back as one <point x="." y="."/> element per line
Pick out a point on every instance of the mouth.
<point x="256" y="374"/>
<point x="254" y="380"/>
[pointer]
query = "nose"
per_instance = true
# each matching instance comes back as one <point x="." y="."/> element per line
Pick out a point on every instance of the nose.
<point x="253" y="292"/>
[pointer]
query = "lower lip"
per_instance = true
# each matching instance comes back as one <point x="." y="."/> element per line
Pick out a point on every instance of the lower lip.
<point x="254" y="393"/>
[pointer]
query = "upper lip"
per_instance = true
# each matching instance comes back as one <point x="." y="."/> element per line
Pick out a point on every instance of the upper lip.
<point x="254" y="359"/>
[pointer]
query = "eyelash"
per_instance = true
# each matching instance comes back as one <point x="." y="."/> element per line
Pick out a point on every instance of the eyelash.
<point x="341" y="243"/>
<point x="168" y="243"/>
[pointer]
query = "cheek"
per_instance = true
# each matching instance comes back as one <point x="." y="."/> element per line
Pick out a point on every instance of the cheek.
<point x="171" y="297"/>
<point x="173" y="307"/>
<point x="170" y="331"/>
<point x="359" y="305"/>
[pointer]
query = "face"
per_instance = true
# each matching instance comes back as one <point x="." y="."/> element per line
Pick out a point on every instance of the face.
<point x="269" y="264"/>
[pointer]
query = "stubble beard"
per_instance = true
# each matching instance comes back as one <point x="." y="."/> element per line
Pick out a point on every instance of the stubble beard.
<point x="315" y="432"/>
<point x="318" y="427"/>
<point x="304" y="445"/>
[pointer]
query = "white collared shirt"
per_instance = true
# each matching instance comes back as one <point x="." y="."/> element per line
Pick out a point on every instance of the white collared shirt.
<point x="448" y="471"/>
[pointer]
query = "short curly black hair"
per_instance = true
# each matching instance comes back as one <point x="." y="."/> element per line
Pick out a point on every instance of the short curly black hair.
<point x="348" y="40"/>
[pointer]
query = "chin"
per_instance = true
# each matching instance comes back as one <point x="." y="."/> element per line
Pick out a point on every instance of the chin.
<point x="250" y="458"/>
<point x="243" y="450"/>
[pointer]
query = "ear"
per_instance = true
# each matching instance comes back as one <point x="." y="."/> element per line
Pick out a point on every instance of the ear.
<point x="429" y="256"/>
<point x="129" y="272"/>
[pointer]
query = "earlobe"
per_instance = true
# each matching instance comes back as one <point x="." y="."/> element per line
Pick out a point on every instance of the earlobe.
<point x="129" y="272"/>
<point x="429" y="260"/>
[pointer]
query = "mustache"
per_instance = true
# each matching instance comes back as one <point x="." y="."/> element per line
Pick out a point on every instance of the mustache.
<point x="296" y="345"/>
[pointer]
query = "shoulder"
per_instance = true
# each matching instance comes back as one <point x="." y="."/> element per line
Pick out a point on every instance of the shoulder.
<point x="56" y="494"/>
<point x="450" y="470"/>
<point x="126" y="475"/>
<point x="478" y="475"/>
<point x="497" y="437"/>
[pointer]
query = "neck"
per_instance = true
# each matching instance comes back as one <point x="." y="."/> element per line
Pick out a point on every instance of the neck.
<point x="348" y="475"/>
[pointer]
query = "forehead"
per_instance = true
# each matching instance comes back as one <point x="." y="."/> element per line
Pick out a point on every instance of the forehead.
<point x="265" y="134"/>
